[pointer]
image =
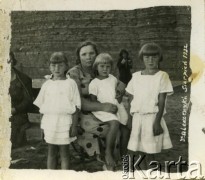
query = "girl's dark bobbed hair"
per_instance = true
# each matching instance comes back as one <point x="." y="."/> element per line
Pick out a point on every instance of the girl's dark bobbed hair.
<point x="151" y="48"/>
<point x="83" y="44"/>
<point x="11" y="54"/>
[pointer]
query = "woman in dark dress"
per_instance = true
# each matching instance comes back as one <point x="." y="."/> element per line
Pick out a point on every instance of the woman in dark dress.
<point x="124" y="65"/>
<point x="21" y="99"/>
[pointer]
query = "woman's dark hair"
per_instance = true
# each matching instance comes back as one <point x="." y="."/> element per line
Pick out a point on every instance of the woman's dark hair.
<point x="83" y="44"/>
<point x="150" y="48"/>
<point x="123" y="51"/>
<point x="12" y="56"/>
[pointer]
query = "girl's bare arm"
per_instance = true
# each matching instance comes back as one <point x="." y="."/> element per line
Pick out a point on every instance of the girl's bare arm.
<point x="88" y="105"/>
<point x="75" y="122"/>
<point x="157" y="129"/>
<point x="130" y="98"/>
<point x="93" y="98"/>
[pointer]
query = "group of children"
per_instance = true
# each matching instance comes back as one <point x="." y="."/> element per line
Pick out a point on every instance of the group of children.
<point x="59" y="102"/>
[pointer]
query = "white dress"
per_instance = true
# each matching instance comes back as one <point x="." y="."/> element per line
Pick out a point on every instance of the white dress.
<point x="144" y="107"/>
<point x="105" y="91"/>
<point x="57" y="101"/>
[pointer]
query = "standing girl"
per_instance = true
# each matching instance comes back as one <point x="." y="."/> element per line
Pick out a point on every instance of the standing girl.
<point x="124" y="65"/>
<point x="102" y="89"/>
<point x="59" y="102"/>
<point x="147" y="93"/>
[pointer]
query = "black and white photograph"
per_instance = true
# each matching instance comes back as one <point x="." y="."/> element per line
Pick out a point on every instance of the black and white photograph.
<point x="107" y="91"/>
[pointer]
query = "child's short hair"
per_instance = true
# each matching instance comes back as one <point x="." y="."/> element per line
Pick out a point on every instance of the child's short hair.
<point x="151" y="49"/>
<point x="103" y="58"/>
<point x="58" y="57"/>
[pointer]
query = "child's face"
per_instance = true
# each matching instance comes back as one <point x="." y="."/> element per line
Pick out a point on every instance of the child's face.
<point x="151" y="61"/>
<point x="58" y="69"/>
<point x="124" y="55"/>
<point x="104" y="69"/>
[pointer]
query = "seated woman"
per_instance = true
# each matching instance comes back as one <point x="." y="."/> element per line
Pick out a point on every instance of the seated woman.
<point x="21" y="99"/>
<point x="83" y="74"/>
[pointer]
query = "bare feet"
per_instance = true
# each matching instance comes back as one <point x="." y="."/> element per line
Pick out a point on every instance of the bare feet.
<point x="107" y="168"/>
<point x="110" y="162"/>
<point x="99" y="159"/>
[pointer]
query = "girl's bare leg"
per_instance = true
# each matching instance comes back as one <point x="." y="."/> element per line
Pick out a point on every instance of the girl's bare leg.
<point x="52" y="156"/>
<point x="131" y="160"/>
<point x="110" y="141"/>
<point x="125" y="135"/>
<point x="64" y="155"/>
<point x="149" y="158"/>
<point x="137" y="161"/>
<point x="143" y="164"/>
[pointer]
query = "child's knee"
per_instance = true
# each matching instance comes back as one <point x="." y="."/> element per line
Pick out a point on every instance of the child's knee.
<point x="52" y="150"/>
<point x="114" y="124"/>
<point x="64" y="151"/>
<point x="53" y="154"/>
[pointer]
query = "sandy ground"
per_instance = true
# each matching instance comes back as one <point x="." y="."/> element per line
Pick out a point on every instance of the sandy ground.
<point x="33" y="155"/>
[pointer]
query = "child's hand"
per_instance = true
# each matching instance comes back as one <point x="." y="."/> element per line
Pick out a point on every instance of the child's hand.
<point x="157" y="129"/>
<point x="129" y="122"/>
<point x="108" y="107"/>
<point x="73" y="131"/>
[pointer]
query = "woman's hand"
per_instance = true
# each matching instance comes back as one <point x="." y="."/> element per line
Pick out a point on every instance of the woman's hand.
<point x="73" y="131"/>
<point x="119" y="96"/>
<point x="13" y="111"/>
<point x="108" y="107"/>
<point x="119" y="99"/>
<point x="157" y="129"/>
<point x="120" y="91"/>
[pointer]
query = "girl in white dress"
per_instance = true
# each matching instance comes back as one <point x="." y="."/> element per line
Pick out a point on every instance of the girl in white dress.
<point x="147" y="91"/>
<point x="59" y="102"/>
<point x="103" y="89"/>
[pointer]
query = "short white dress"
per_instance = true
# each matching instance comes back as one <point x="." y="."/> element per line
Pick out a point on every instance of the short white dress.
<point x="57" y="101"/>
<point x="144" y="107"/>
<point x="105" y="90"/>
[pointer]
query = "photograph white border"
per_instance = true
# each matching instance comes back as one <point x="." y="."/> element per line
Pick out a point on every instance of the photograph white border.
<point x="196" y="139"/>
